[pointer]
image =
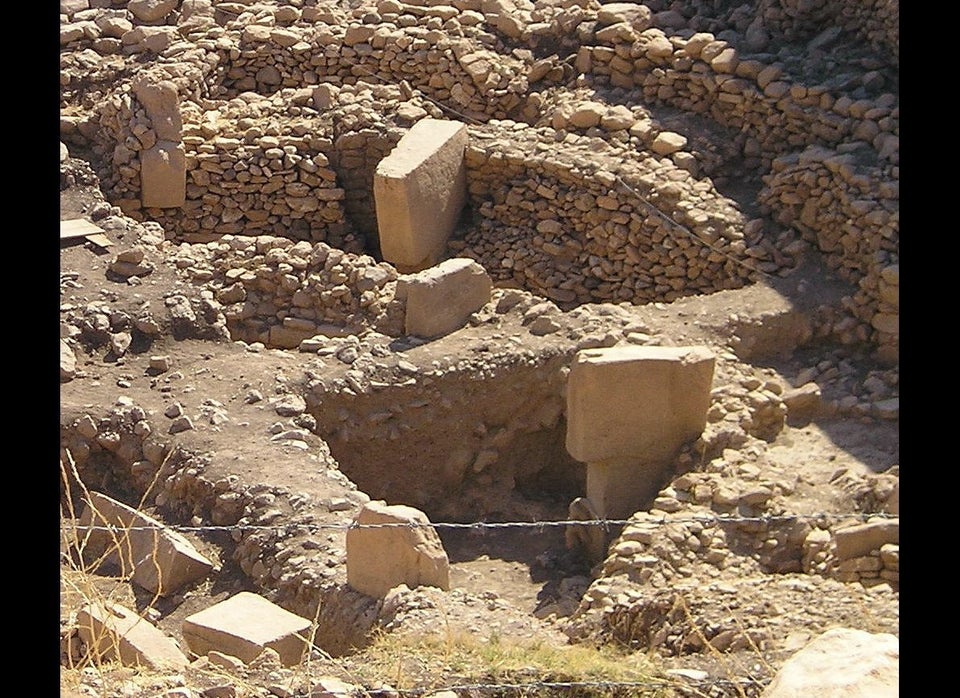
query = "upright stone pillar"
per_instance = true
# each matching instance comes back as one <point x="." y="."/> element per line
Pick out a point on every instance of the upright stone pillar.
<point x="163" y="166"/>
<point x="629" y="411"/>
<point x="419" y="191"/>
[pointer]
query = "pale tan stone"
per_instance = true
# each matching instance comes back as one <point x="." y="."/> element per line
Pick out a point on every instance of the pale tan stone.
<point x="114" y="632"/>
<point x="441" y="299"/>
<point x="163" y="175"/>
<point x="245" y="625"/>
<point x="629" y="411"/>
<point x="841" y="663"/>
<point x="157" y="558"/>
<point x="406" y="550"/>
<point x="419" y="191"/>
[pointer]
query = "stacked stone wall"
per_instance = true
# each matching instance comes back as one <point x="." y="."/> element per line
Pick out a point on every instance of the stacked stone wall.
<point x="845" y="207"/>
<point x="287" y="111"/>
<point x="424" y="47"/>
<point x="565" y="224"/>
<point x="877" y="22"/>
<point x="704" y="75"/>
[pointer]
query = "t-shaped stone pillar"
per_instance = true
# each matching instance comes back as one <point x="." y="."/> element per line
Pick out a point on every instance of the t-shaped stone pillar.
<point x="629" y="411"/>
<point x="419" y="190"/>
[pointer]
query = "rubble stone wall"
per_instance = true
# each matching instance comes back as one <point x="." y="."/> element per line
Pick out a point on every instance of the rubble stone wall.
<point x="567" y="225"/>
<point x="705" y="75"/>
<point x="287" y="110"/>
<point x="852" y="216"/>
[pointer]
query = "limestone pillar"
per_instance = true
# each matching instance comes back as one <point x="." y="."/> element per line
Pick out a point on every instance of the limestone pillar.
<point x="419" y="191"/>
<point x="163" y="166"/>
<point x="629" y="411"/>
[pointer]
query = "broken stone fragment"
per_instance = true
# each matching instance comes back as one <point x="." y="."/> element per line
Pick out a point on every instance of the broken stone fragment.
<point x="393" y="545"/>
<point x="113" y="632"/>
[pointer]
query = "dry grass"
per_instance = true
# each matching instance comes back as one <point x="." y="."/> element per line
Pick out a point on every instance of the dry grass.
<point x="506" y="668"/>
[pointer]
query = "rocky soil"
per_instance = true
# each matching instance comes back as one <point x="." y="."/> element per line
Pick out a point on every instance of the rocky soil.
<point x="262" y="454"/>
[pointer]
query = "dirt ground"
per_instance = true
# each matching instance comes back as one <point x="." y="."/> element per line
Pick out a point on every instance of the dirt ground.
<point x="523" y="572"/>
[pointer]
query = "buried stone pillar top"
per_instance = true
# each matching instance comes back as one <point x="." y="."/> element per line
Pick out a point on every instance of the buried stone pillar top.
<point x="419" y="190"/>
<point x="637" y="402"/>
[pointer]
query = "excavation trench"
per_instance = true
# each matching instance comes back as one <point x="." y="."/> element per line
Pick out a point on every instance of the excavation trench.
<point x="478" y="441"/>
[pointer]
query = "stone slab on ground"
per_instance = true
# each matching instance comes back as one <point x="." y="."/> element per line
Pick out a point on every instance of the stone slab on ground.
<point x="244" y="625"/>
<point x="441" y="299"/>
<point x="862" y="539"/>
<point x="157" y="558"/>
<point x="114" y="632"/>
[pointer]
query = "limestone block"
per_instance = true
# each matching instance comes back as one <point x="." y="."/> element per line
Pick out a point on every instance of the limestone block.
<point x="668" y="142"/>
<point x="406" y="551"/>
<point x="163" y="175"/>
<point x="159" y="559"/>
<point x="841" y="663"/>
<point x="68" y="362"/>
<point x="244" y="626"/>
<point x="285" y="337"/>
<point x="640" y="402"/>
<point x="115" y="633"/>
<point x="636" y="15"/>
<point x="802" y="402"/>
<point x="151" y="10"/>
<point x="419" y="191"/>
<point x="441" y="299"/>
<point x="70" y="7"/>
<point x="862" y="539"/>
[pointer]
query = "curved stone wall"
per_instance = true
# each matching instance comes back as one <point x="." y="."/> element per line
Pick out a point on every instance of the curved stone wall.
<point x="287" y="110"/>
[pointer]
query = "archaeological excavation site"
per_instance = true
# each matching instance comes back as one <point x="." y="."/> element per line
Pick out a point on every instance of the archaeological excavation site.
<point x="479" y="348"/>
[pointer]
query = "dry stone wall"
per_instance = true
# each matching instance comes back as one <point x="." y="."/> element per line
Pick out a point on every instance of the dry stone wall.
<point x="286" y="111"/>
<point x="772" y="110"/>
<point x="580" y="224"/>
<point x="840" y="202"/>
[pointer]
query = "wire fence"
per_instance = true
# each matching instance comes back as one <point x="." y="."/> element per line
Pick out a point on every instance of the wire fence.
<point x="818" y="518"/>
<point x="681" y="686"/>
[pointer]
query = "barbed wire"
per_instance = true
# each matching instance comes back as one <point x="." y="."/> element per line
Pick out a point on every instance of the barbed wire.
<point x="482" y="525"/>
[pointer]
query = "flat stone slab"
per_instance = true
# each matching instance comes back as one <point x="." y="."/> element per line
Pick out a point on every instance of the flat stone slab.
<point x="243" y="626"/>
<point x="114" y="632"/>
<point x="862" y="539"/>
<point x="442" y="298"/>
<point x="154" y="556"/>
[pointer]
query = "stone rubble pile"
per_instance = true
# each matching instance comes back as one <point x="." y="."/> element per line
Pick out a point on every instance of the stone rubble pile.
<point x="280" y="292"/>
